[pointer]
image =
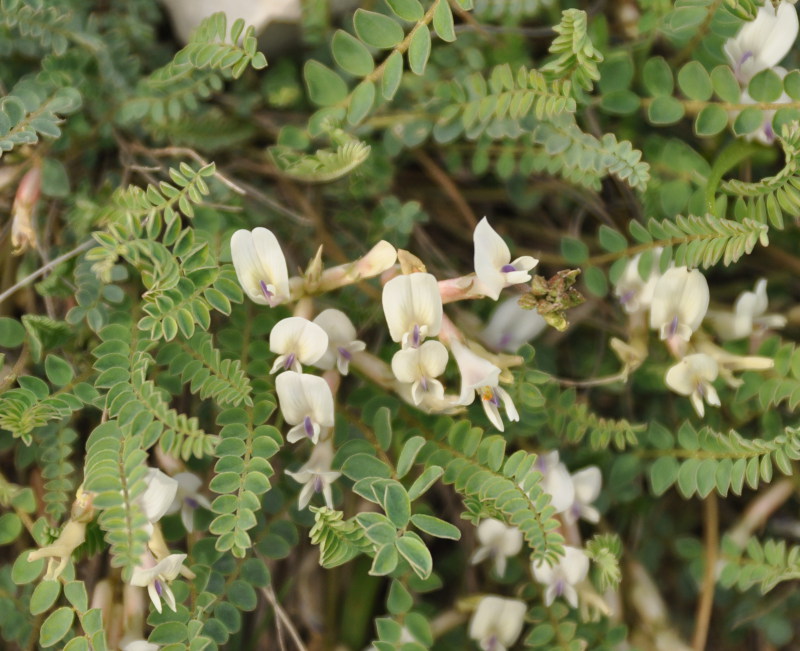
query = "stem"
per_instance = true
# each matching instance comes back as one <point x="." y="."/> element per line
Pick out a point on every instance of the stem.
<point x="704" y="606"/>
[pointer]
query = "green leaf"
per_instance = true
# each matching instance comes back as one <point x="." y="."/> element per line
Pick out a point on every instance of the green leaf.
<point x="12" y="334"/>
<point x="611" y="240"/>
<point x="663" y="473"/>
<point x="711" y="120"/>
<point x="399" y="600"/>
<point x="363" y="465"/>
<point x="325" y="87"/>
<point x="392" y="75"/>
<point x="10" y="528"/>
<point x="424" y="482"/>
<point x="44" y="596"/>
<point x="687" y="477"/>
<point x="168" y="633"/>
<point x="416" y="553"/>
<point x="766" y="86"/>
<point x="749" y="120"/>
<point x="791" y="84"/>
<point x="419" y="50"/>
<point x="351" y="54"/>
<point x="620" y="102"/>
<point x="695" y="82"/>
<point x="725" y="84"/>
<point x="55" y="182"/>
<point x="408" y="454"/>
<point x="665" y="110"/>
<point x="58" y="371"/>
<point x="75" y="592"/>
<point x="436" y="527"/>
<point x="382" y="426"/>
<point x="56" y="626"/>
<point x="24" y="571"/>
<point x="361" y="102"/>
<point x="410" y="10"/>
<point x="385" y="560"/>
<point x="443" y="21"/>
<point x="377" y="30"/>
<point x="596" y="281"/>
<point x="574" y="250"/>
<point x="397" y="504"/>
<point x="657" y="77"/>
<point x="616" y="73"/>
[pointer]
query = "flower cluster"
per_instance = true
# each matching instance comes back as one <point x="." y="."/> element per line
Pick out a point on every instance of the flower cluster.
<point x="678" y="304"/>
<point x="761" y="45"/>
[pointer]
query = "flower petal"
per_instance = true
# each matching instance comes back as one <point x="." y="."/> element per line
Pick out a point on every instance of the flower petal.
<point x="491" y="254"/>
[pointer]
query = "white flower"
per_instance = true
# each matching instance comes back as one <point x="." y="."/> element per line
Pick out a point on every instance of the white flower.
<point x="316" y="475"/>
<point x="562" y="577"/>
<point x="749" y="312"/>
<point x="260" y="266"/>
<point x="763" y="42"/>
<point x="479" y="375"/>
<point x="296" y="341"/>
<point x="511" y="326"/>
<point x="493" y="264"/>
<point x="680" y="301"/>
<point x="420" y="367"/>
<point x="692" y="377"/>
<point x="413" y="308"/>
<point x="587" y="484"/>
<point x="159" y="494"/>
<point x="59" y="552"/>
<point x="188" y="498"/>
<point x="634" y="293"/>
<point x="497" y="622"/>
<point x="498" y="541"/>
<point x="306" y="404"/>
<point x="342" y="342"/>
<point x="157" y="576"/>
<point x="138" y="645"/>
<point x="556" y="481"/>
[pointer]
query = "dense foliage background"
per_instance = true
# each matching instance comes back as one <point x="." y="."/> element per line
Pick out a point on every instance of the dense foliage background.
<point x="589" y="134"/>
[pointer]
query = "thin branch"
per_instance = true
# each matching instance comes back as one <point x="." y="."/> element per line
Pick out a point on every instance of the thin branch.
<point x="41" y="271"/>
<point x="283" y="618"/>
<point x="706" y="602"/>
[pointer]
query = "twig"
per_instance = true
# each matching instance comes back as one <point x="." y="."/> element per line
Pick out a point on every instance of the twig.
<point x="41" y="271"/>
<point x="706" y="602"/>
<point x="450" y="189"/>
<point x="283" y="618"/>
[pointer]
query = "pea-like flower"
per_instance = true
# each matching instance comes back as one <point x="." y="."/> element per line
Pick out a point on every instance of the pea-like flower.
<point x="692" y="377"/>
<point x="316" y="475"/>
<point x="306" y="403"/>
<point x="749" y="313"/>
<point x="634" y="293"/>
<point x="556" y="481"/>
<point x="156" y="577"/>
<point x="493" y="264"/>
<point x="587" y="484"/>
<point x="413" y="308"/>
<point x="59" y="552"/>
<point x="511" y="326"/>
<point x="420" y="367"/>
<point x="680" y="301"/>
<point x="479" y="376"/>
<point x="497" y="622"/>
<point x="157" y="498"/>
<point x="342" y="342"/>
<point x="297" y="341"/>
<point x="562" y="577"/>
<point x="499" y="542"/>
<point x="260" y="266"/>
<point x="188" y="498"/>
<point x="764" y="42"/>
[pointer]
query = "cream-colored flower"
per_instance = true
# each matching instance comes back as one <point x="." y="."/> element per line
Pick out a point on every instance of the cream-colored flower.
<point x="156" y="577"/>
<point x="296" y="341"/>
<point x="587" y="484"/>
<point x="306" y="403"/>
<point x="680" y="301"/>
<point x="493" y="264"/>
<point x="764" y="42"/>
<point x="60" y="550"/>
<point x="316" y="475"/>
<point x="749" y="313"/>
<point x="479" y="376"/>
<point x="634" y="293"/>
<point x="511" y="326"/>
<point x="342" y="342"/>
<point x="188" y="498"/>
<point x="420" y="367"/>
<point x="413" y="308"/>
<point x="556" y="481"/>
<point x="260" y="266"/>
<point x="562" y="577"/>
<point x="159" y="494"/>
<point x="497" y="622"/>
<point x="692" y="377"/>
<point x="499" y="542"/>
